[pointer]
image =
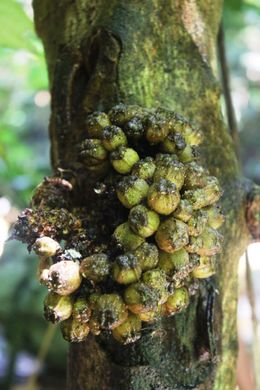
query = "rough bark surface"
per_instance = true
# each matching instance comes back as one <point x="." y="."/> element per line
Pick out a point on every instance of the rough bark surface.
<point x="152" y="53"/>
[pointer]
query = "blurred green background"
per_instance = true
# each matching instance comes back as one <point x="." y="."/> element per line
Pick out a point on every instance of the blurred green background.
<point x="24" y="161"/>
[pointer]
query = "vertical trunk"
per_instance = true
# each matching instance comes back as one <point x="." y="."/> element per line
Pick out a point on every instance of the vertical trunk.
<point x="151" y="53"/>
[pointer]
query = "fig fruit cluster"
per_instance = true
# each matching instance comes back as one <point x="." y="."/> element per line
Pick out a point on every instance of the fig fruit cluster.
<point x="168" y="241"/>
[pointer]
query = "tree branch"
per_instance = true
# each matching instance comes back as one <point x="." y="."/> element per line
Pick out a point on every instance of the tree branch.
<point x="159" y="62"/>
<point x="232" y="123"/>
<point x="253" y="212"/>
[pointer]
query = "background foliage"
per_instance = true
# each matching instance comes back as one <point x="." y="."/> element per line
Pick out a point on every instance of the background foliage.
<point x="24" y="160"/>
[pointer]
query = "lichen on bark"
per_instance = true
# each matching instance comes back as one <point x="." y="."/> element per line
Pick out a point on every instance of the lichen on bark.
<point x="151" y="53"/>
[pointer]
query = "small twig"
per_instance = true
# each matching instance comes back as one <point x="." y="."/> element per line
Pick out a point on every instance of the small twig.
<point x="42" y="353"/>
<point x="250" y="291"/>
<point x="232" y="124"/>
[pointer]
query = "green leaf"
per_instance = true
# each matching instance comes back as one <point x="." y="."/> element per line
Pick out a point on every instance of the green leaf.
<point x="253" y="3"/>
<point x="235" y="5"/>
<point x="16" y="28"/>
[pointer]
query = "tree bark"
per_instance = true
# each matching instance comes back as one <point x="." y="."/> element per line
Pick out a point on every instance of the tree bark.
<point x="151" y="53"/>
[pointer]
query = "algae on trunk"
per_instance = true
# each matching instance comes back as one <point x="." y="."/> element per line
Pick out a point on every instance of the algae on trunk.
<point x="154" y="54"/>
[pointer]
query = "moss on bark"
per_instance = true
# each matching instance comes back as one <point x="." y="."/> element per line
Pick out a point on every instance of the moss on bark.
<point x="152" y="53"/>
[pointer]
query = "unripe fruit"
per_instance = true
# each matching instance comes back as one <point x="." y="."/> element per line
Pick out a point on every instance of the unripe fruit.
<point x="153" y="315"/>
<point x="215" y="217"/>
<point x="143" y="221"/>
<point x="126" y="269"/>
<point x="95" y="124"/>
<point x="129" y="331"/>
<point x="191" y="135"/>
<point x="205" y="269"/>
<point x="194" y="137"/>
<point x="141" y="297"/>
<point x="92" y="152"/>
<point x="63" y="277"/>
<point x="144" y="169"/>
<point x="131" y="191"/>
<point x="172" y="170"/>
<point x="206" y="196"/>
<point x="173" y="142"/>
<point x="95" y="267"/>
<point x="163" y="197"/>
<point x="81" y="311"/>
<point x="182" y="272"/>
<point x="74" y="331"/>
<point x="197" y="223"/>
<point x="125" y="238"/>
<point x="134" y="129"/>
<point x="147" y="255"/>
<point x="122" y="113"/>
<point x="156" y="129"/>
<point x="92" y="299"/>
<point x="57" y="308"/>
<point x="188" y="154"/>
<point x="46" y="246"/>
<point x="206" y="244"/>
<point x="123" y="159"/>
<point x="183" y="211"/>
<point x="113" y="137"/>
<point x="109" y="311"/>
<point x="170" y="262"/>
<point x="172" y="235"/>
<point x="167" y="195"/>
<point x="196" y="176"/>
<point x="164" y="158"/>
<point x="178" y="301"/>
<point x="156" y="278"/>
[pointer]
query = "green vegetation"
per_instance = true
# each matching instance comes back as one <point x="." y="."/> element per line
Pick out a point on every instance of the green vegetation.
<point x="24" y="151"/>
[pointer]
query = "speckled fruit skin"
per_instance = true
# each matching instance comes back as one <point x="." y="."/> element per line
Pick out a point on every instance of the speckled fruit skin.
<point x="164" y="241"/>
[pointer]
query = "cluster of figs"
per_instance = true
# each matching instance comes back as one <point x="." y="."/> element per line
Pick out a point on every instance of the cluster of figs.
<point x="168" y="242"/>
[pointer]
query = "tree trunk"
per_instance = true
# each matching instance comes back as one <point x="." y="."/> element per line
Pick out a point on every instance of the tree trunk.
<point x="151" y="53"/>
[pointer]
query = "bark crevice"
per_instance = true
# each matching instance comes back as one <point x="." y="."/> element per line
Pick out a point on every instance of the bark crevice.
<point x="141" y="53"/>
